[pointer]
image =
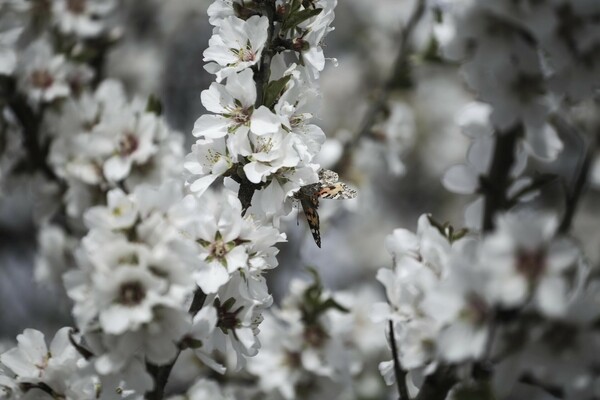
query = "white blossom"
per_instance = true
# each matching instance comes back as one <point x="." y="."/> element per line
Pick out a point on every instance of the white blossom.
<point x="237" y="45"/>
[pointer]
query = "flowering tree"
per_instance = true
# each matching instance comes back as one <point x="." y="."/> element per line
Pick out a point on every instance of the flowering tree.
<point x="166" y="258"/>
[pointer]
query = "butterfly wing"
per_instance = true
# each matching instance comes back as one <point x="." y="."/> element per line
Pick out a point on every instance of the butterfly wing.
<point x="310" y="205"/>
<point x="336" y="191"/>
<point x="327" y="177"/>
<point x="327" y="188"/>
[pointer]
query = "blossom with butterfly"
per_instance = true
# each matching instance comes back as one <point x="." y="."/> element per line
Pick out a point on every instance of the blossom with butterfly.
<point x="185" y="277"/>
<point x="309" y="196"/>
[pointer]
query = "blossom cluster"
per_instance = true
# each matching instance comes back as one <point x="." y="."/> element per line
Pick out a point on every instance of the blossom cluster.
<point x="155" y="262"/>
<point x="164" y="257"/>
<point x="259" y="131"/>
<point x="481" y="308"/>
<point x="458" y="299"/>
<point x="318" y="344"/>
<point x="526" y="60"/>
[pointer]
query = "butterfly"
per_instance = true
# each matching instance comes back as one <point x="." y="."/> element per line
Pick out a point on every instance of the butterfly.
<point x="328" y="187"/>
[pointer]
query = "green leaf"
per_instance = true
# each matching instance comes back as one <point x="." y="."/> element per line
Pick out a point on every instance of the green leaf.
<point x="274" y="90"/>
<point x="191" y="343"/>
<point x="154" y="105"/>
<point x="432" y="51"/>
<point x="295" y="6"/>
<point x="299" y="17"/>
<point x="228" y="304"/>
<point x="461" y="233"/>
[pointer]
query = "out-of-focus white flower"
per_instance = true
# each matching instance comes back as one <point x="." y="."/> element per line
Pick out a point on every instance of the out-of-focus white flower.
<point x="460" y="307"/>
<point x="300" y="348"/>
<point x="54" y="255"/>
<point x="526" y="259"/>
<point x="81" y="17"/>
<point x="505" y="69"/>
<point x="221" y="9"/>
<point x="43" y="74"/>
<point x="395" y="135"/>
<point x="133" y="298"/>
<point x="467" y="178"/>
<point x="103" y="139"/>
<point x="205" y="389"/>
<point x="236" y="45"/>
<point x="121" y="212"/>
<point x="8" y="56"/>
<point x="438" y="301"/>
<point x="278" y="364"/>
<point x="134" y="142"/>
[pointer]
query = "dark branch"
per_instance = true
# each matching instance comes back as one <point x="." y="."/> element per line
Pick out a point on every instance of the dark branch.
<point x="263" y="73"/>
<point x="495" y="185"/>
<point x="399" y="372"/>
<point x="437" y="385"/>
<point x="85" y="352"/>
<point x="552" y="390"/>
<point x="30" y="121"/>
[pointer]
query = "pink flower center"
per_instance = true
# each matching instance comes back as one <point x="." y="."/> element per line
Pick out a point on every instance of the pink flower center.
<point x="128" y="144"/>
<point x="76" y="6"/>
<point x="131" y="293"/>
<point x="246" y="55"/>
<point x="531" y="263"/>
<point x="41" y="79"/>
<point x="314" y="335"/>
<point x="241" y="116"/>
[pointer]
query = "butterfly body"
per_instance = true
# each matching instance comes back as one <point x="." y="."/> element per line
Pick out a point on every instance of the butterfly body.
<point x="328" y="187"/>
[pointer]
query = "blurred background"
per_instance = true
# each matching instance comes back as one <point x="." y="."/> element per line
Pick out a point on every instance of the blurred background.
<point x="398" y="178"/>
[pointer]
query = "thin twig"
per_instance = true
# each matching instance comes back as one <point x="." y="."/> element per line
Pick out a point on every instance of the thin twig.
<point x="580" y="177"/>
<point x="552" y="390"/>
<point x="399" y="372"/>
<point x="400" y="70"/>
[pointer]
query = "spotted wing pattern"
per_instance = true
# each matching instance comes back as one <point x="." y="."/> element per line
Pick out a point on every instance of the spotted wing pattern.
<point x="336" y="191"/>
<point x="327" y="188"/>
<point x="310" y="205"/>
